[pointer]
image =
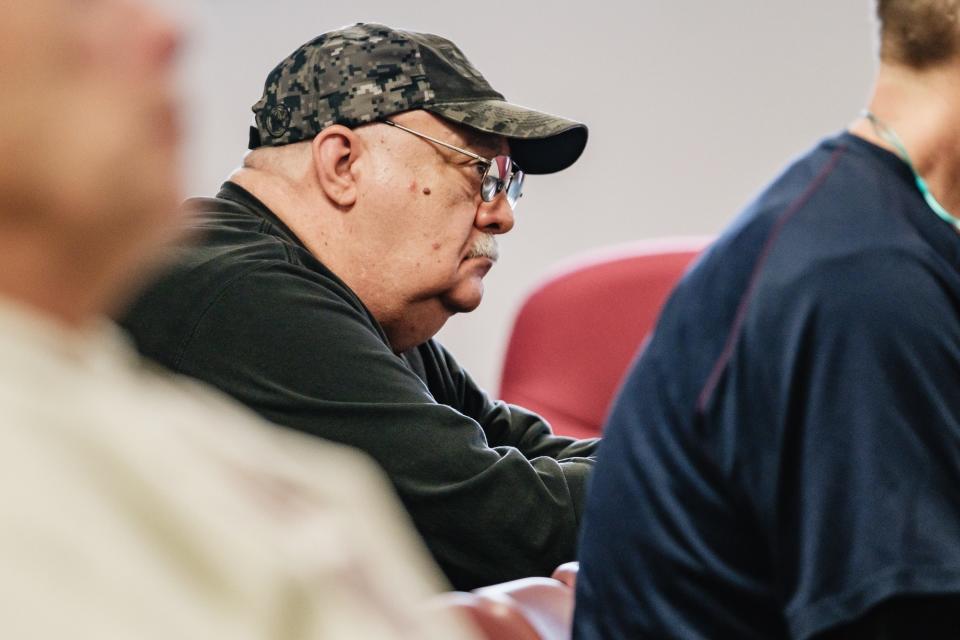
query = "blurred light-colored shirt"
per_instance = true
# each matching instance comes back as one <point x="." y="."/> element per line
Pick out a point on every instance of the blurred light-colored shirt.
<point x="135" y="504"/>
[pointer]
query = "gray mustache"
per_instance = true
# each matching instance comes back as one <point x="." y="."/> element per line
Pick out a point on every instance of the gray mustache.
<point x="485" y="247"/>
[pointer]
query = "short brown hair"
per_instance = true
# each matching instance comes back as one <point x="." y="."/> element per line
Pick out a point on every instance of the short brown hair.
<point x="918" y="33"/>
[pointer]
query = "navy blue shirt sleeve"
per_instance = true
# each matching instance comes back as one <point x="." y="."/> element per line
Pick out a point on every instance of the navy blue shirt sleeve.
<point x="862" y="357"/>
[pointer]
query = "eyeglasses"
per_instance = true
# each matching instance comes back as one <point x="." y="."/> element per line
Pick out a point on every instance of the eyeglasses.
<point x="501" y="173"/>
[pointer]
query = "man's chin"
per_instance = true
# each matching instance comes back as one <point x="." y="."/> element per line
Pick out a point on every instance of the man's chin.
<point x="465" y="297"/>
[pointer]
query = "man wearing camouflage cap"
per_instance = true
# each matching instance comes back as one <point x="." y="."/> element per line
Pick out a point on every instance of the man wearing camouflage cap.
<point x="383" y="165"/>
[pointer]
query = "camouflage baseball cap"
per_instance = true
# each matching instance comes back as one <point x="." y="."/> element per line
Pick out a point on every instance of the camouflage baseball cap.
<point x="367" y="72"/>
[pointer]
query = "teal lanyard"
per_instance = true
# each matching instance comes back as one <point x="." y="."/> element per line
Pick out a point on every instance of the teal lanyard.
<point x="888" y="134"/>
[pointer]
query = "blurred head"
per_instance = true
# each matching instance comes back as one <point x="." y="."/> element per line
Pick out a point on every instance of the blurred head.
<point x="919" y="33"/>
<point x="88" y="131"/>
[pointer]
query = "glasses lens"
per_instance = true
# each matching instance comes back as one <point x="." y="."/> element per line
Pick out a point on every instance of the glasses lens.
<point x="493" y="179"/>
<point x="515" y="188"/>
<point x="490" y="188"/>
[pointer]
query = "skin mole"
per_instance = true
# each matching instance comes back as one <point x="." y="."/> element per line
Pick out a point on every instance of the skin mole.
<point x="426" y="191"/>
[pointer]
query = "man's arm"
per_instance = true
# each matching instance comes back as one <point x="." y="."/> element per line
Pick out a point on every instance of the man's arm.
<point x="504" y="424"/>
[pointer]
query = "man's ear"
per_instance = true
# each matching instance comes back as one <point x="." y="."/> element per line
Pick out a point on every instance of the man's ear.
<point x="335" y="150"/>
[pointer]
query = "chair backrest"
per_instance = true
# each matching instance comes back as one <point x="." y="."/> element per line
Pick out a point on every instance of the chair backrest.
<point x="525" y="609"/>
<point x="578" y="331"/>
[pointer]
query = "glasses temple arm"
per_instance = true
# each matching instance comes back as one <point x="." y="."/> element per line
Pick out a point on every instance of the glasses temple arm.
<point x="439" y="142"/>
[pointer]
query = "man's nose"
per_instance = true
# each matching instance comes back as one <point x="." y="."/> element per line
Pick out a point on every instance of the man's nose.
<point x="496" y="216"/>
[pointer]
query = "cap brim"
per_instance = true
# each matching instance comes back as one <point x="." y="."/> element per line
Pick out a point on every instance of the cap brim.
<point x="539" y="142"/>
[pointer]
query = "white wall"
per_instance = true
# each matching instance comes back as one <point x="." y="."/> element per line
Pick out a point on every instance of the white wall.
<point x="692" y="105"/>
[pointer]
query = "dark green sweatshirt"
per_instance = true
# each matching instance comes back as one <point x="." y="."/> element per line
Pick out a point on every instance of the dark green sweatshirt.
<point x="246" y="308"/>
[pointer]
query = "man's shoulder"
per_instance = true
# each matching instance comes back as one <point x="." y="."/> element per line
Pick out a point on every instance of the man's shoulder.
<point x="225" y="235"/>
<point x="230" y="236"/>
<point x="233" y="257"/>
<point x="843" y="227"/>
<point x="821" y="246"/>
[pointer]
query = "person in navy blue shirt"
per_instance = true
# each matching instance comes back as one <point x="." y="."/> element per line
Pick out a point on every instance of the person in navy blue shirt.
<point x="783" y="460"/>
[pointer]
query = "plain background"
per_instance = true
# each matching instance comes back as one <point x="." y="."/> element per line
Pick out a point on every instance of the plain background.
<point x="692" y="106"/>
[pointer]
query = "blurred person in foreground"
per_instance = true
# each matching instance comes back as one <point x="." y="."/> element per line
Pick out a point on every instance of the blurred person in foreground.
<point x="784" y="459"/>
<point x="134" y="504"/>
<point x="383" y="166"/>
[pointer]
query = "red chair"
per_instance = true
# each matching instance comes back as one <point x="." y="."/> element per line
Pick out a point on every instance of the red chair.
<point x="578" y="331"/>
<point x="525" y="609"/>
